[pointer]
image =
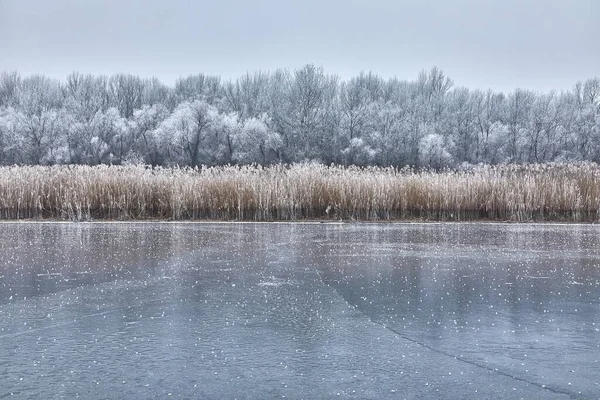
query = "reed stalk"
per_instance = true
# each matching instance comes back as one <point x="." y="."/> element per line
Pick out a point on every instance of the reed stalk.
<point x="534" y="192"/>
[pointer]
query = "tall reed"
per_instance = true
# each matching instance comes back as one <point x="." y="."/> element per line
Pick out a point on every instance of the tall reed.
<point x="540" y="192"/>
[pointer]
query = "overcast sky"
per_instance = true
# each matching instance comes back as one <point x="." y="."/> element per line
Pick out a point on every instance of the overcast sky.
<point x="498" y="44"/>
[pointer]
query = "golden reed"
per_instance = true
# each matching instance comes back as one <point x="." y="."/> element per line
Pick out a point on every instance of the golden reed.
<point x="535" y="192"/>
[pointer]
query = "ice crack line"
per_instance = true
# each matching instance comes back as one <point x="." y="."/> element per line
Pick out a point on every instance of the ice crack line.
<point x="75" y="320"/>
<point x="61" y="325"/>
<point x="447" y="354"/>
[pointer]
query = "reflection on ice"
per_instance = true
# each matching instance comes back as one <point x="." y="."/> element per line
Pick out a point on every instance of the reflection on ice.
<point x="301" y="311"/>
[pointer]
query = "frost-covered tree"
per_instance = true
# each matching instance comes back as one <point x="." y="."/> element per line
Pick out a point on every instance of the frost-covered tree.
<point x="386" y="134"/>
<point x="542" y="130"/>
<point x="248" y="95"/>
<point x="36" y="138"/>
<point x="85" y="95"/>
<point x="9" y="87"/>
<point x="101" y="140"/>
<point x="360" y="152"/>
<point x="156" y="92"/>
<point x="302" y="110"/>
<point x="357" y="97"/>
<point x="432" y="89"/>
<point x="33" y="130"/>
<point x="256" y="142"/>
<point x="460" y="124"/>
<point x="125" y="93"/>
<point x="198" y="87"/>
<point x="517" y="109"/>
<point x="37" y="94"/>
<point x="433" y="151"/>
<point x="9" y="153"/>
<point x="189" y="133"/>
<point x="291" y="116"/>
<point x="142" y="132"/>
<point x="488" y="114"/>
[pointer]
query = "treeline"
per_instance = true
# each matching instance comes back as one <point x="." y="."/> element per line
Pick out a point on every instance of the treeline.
<point x="291" y="116"/>
<point x="540" y="192"/>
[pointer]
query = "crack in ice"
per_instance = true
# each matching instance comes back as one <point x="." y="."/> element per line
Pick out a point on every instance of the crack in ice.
<point x="445" y="353"/>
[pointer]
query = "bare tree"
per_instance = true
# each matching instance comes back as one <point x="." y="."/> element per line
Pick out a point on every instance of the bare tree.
<point x="125" y="93"/>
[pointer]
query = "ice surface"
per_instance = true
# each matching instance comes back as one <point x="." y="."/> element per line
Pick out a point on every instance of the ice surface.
<point x="444" y="311"/>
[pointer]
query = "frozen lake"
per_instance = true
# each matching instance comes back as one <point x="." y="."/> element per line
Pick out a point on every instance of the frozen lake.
<point x="369" y="311"/>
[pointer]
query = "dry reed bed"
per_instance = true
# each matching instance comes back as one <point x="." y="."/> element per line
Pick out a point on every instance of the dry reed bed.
<point x="555" y="192"/>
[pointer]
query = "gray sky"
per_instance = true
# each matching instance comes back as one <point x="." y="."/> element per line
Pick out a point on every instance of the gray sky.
<point x="502" y="44"/>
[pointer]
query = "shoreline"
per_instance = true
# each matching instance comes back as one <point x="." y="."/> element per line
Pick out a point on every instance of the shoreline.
<point x="298" y="222"/>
